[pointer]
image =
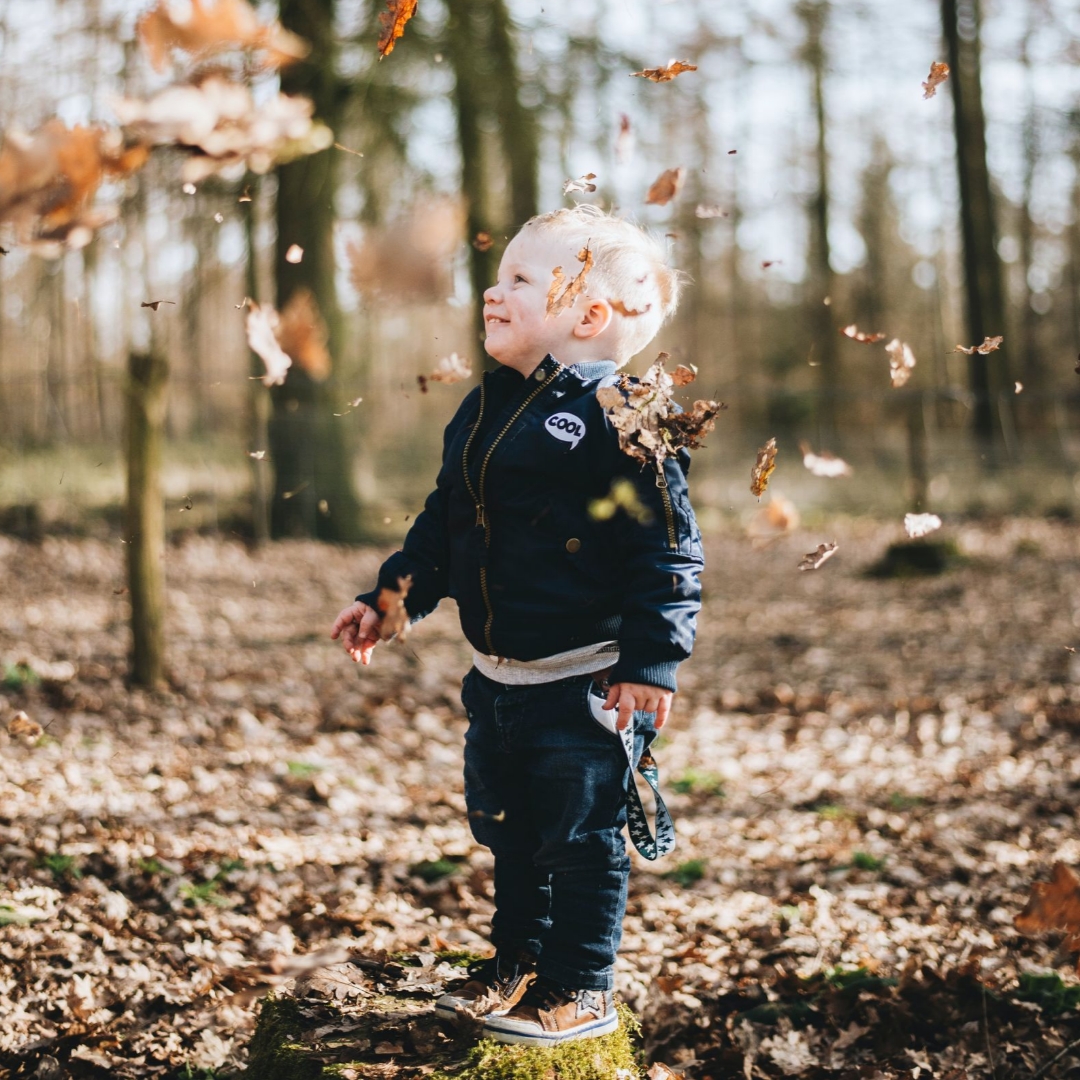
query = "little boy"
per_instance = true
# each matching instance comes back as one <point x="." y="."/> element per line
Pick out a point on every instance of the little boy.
<point x="568" y="615"/>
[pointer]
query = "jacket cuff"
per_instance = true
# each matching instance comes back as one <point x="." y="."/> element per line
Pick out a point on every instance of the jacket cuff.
<point x="655" y="674"/>
<point x="370" y="599"/>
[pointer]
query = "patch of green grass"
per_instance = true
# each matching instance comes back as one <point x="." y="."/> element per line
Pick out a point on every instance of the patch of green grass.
<point x="432" y="870"/>
<point x="834" y="812"/>
<point x="303" y="770"/>
<point x="1050" y="992"/>
<point x="688" y="873"/>
<point x="19" y="676"/>
<point x="898" y="800"/>
<point x="203" y="892"/>
<point x="60" y="866"/>
<point x="863" y="860"/>
<point x="154" y="867"/>
<point x="696" y="782"/>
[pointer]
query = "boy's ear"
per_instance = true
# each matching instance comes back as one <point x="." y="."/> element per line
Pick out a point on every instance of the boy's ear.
<point x="594" y="319"/>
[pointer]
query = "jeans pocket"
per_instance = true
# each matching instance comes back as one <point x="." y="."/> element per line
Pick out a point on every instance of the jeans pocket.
<point x="594" y="702"/>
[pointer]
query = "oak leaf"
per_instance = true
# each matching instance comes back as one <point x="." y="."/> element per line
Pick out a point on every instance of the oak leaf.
<point x="558" y="301"/>
<point x="391" y="602"/>
<point x="989" y="345"/>
<point x="823" y="464"/>
<point x="821" y="554"/>
<point x="1054" y="905"/>
<point x="856" y="334"/>
<point x="393" y="21"/>
<point x="763" y="468"/>
<point x="901" y="361"/>
<point x="916" y="525"/>
<point x="665" y="74"/>
<point x="665" y="187"/>
<point x="939" y="72"/>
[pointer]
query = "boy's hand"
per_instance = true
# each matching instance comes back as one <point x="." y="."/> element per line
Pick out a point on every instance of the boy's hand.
<point x="360" y="624"/>
<point x="631" y="696"/>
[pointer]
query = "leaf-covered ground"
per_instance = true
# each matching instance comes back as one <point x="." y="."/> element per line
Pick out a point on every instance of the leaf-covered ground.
<point x="866" y="775"/>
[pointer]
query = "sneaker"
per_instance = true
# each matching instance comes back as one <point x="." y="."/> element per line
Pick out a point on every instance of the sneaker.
<point x="493" y="987"/>
<point x="548" y="1014"/>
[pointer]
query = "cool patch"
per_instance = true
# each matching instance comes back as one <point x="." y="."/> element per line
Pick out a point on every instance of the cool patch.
<point x="565" y="427"/>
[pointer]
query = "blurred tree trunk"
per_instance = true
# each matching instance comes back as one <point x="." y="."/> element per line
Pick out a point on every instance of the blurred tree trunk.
<point x="983" y="285"/>
<point x="488" y="92"/>
<point x="258" y="399"/>
<point x="313" y="493"/>
<point x="814" y="15"/>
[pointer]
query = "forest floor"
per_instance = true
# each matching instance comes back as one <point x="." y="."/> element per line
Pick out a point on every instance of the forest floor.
<point x="866" y="776"/>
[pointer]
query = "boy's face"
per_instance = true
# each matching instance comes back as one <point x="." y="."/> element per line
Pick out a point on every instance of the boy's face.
<point x="519" y="332"/>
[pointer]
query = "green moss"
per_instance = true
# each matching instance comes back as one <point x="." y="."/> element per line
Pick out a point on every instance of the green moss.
<point x="274" y="1053"/>
<point x="1048" y="991"/>
<point x="605" y="1058"/>
<point x="687" y="873"/>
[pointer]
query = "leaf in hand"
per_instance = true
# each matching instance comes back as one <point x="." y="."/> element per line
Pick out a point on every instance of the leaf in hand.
<point x="665" y="74"/>
<point x="155" y="304"/>
<point x="665" y="187"/>
<point x="393" y="23"/>
<point x="916" y="525"/>
<point x="451" y="369"/>
<point x="559" y="301"/>
<point x="1054" y="905"/>
<point x="21" y="725"/>
<point x="939" y="72"/>
<point x="391" y="602"/>
<point x="856" y="334"/>
<point x="763" y="468"/>
<point x="823" y="464"/>
<point x="989" y="345"/>
<point x="901" y="361"/>
<point x="582" y="183"/>
<point x="813" y="559"/>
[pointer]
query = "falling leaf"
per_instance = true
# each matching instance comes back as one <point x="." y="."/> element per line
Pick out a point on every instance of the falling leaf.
<point x="303" y="335"/>
<point x="823" y="464"/>
<point x="623" y="496"/>
<point x="666" y="186"/>
<point x="393" y="23"/>
<point x="4" y="251"/>
<point x="777" y="518"/>
<point x="683" y="375"/>
<point x="1017" y="387"/>
<point x="939" y="72"/>
<point x="916" y="525"/>
<point x="558" y="301"/>
<point x="189" y="189"/>
<point x="245" y="195"/>
<point x="730" y="152"/>
<point x="582" y="183"/>
<point x="1054" y="905"/>
<point x="989" y="345"/>
<point x="856" y="334"/>
<point x="206" y="30"/>
<point x="771" y="262"/>
<point x="665" y="74"/>
<point x="624" y="141"/>
<point x="21" y="725"/>
<point x="155" y="304"/>
<point x="622" y="309"/>
<point x="391" y="602"/>
<point x="295" y="254"/>
<point x="482" y="241"/>
<point x="901" y="361"/>
<point x="289" y="494"/>
<point x="451" y="369"/>
<point x="821" y="554"/>
<point x="258" y="455"/>
<point x="650" y="424"/>
<point x="763" y="468"/>
<point x="188" y="504"/>
<point x="261" y="322"/>
<point x="705" y="212"/>
<point x="219" y="217"/>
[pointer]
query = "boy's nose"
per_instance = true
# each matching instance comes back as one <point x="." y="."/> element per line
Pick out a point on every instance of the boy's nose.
<point x="491" y="294"/>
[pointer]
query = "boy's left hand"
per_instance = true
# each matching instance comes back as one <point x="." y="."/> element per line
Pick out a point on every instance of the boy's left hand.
<point x="631" y="696"/>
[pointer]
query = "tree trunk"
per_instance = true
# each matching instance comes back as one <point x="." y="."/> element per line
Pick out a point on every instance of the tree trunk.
<point x="814" y="14"/>
<point x="258" y="399"/>
<point x="313" y="493"/>
<point x="147" y="376"/>
<point x="984" y="292"/>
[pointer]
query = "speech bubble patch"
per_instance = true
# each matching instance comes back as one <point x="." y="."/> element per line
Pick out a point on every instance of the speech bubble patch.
<point x="565" y="427"/>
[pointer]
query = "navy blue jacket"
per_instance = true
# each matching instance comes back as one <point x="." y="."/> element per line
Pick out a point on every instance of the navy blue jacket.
<point x="508" y="533"/>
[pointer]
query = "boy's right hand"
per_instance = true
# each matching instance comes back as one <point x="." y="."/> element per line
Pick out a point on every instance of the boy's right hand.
<point x="358" y="628"/>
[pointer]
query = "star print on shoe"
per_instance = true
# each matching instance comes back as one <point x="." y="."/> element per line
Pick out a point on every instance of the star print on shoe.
<point x="548" y="1014"/>
<point x="493" y="986"/>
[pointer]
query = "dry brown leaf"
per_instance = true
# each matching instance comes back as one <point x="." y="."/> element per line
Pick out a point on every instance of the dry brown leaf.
<point x="665" y="74"/>
<point x="393" y="23"/>
<point x="209" y="29"/>
<point x="901" y="361"/>
<point x="558" y="301"/>
<point x="391" y="602"/>
<point x="916" y="525"/>
<point x="989" y="345"/>
<point x="482" y="241"/>
<point x="939" y="72"/>
<point x="823" y="464"/>
<point x="683" y="375"/>
<point x="1054" y="905"/>
<point x="666" y="186"/>
<point x="821" y="554"/>
<point x="622" y="309"/>
<point x="650" y="425"/>
<point x="582" y="183"/>
<point x="777" y="518"/>
<point x="303" y="335"/>
<point x="763" y="468"/>
<point x="659" y="1071"/>
<point x="856" y="334"/>
<point x="21" y="725"/>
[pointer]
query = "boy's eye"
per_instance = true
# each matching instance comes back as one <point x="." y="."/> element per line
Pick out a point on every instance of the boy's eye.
<point x="517" y="278"/>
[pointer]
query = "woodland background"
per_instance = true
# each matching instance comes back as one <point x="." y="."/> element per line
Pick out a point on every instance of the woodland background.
<point x="867" y="772"/>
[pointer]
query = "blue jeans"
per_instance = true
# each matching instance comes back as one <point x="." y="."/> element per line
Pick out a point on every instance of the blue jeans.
<point x="544" y="786"/>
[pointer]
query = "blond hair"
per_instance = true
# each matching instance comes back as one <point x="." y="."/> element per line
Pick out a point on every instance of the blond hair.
<point x="630" y="270"/>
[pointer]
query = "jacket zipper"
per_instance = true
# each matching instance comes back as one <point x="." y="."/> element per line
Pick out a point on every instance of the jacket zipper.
<point x="669" y="510"/>
<point x="478" y="493"/>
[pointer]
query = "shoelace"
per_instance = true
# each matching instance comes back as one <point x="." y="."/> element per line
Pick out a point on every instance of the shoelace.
<point x="542" y="994"/>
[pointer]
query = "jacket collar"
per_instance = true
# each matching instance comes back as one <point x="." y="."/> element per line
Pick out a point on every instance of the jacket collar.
<point x="595" y="369"/>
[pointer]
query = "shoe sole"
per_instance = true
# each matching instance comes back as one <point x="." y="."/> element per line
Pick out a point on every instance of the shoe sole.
<point x="452" y="1012"/>
<point x="603" y="1026"/>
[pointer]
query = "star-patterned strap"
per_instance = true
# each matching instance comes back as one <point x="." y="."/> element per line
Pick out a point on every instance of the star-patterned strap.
<point x="637" y="822"/>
